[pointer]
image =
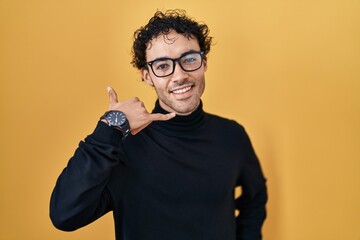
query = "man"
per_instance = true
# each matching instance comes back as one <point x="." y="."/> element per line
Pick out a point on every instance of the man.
<point x="174" y="176"/>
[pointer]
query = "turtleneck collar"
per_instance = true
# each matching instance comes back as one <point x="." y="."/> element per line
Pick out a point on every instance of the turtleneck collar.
<point x="179" y="123"/>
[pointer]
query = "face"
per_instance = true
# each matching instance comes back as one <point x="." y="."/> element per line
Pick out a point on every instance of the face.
<point x="181" y="91"/>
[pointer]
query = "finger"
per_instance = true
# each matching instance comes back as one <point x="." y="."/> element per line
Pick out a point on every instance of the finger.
<point x="135" y="131"/>
<point x="161" y="117"/>
<point x="112" y="96"/>
<point x="154" y="117"/>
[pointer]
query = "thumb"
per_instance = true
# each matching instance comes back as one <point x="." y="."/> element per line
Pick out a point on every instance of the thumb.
<point x="162" y="117"/>
<point x="112" y="96"/>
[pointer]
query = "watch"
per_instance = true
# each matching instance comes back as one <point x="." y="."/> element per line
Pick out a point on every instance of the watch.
<point x="118" y="120"/>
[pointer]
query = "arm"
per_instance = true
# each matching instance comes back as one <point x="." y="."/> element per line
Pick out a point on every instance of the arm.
<point x="252" y="201"/>
<point x="80" y="195"/>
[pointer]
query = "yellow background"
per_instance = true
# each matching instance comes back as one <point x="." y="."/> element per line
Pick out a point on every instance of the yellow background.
<point x="289" y="71"/>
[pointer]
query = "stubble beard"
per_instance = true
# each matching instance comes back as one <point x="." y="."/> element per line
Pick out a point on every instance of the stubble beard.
<point x="182" y="107"/>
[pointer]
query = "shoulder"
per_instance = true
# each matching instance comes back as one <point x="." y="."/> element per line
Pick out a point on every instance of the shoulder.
<point x="224" y="123"/>
<point x="228" y="128"/>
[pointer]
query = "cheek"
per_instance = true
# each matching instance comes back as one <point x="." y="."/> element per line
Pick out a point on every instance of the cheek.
<point x="158" y="84"/>
<point x="202" y="88"/>
<point x="159" y="87"/>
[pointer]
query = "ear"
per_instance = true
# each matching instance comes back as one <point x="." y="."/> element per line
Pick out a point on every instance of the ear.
<point x="205" y="65"/>
<point x="145" y="75"/>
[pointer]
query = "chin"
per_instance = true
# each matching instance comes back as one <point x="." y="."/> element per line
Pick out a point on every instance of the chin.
<point x="186" y="108"/>
<point x="180" y="107"/>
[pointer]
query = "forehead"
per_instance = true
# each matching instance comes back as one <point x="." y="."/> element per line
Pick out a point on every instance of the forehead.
<point x="171" y="45"/>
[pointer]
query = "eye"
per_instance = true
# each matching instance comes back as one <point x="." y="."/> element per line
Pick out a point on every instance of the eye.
<point x="162" y="66"/>
<point x="190" y="58"/>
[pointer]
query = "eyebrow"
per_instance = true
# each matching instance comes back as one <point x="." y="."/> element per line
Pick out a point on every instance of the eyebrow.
<point x="166" y="58"/>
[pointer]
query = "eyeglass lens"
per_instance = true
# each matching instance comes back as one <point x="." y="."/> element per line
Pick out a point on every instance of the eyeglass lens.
<point x="188" y="62"/>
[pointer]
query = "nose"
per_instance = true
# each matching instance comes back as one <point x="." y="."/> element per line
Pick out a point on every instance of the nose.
<point x="179" y="74"/>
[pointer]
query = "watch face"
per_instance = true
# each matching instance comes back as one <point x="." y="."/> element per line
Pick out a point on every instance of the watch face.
<point x="116" y="118"/>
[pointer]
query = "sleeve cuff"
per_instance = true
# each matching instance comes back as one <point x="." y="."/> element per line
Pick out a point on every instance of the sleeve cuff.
<point x="104" y="133"/>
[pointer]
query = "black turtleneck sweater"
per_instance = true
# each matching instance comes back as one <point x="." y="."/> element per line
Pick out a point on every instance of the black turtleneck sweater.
<point x="173" y="180"/>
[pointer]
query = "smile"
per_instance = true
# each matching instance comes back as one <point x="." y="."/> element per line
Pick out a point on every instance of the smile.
<point x="182" y="90"/>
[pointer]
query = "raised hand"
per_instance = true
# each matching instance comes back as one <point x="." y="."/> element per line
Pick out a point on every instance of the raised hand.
<point x="135" y="111"/>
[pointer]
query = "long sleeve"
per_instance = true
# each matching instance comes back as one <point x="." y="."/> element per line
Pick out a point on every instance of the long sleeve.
<point x="251" y="203"/>
<point x="80" y="195"/>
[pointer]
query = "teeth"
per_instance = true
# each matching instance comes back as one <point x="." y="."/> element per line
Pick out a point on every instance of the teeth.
<point x="182" y="90"/>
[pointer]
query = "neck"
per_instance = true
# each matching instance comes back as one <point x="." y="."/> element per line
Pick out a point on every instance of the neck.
<point x="181" y="124"/>
<point x="182" y="113"/>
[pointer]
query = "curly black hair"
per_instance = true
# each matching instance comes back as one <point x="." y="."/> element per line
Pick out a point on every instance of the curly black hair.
<point x="163" y="23"/>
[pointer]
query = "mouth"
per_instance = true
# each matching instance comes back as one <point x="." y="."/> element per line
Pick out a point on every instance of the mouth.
<point x="182" y="90"/>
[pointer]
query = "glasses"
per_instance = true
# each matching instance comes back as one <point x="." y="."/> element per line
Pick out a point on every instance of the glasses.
<point x="189" y="62"/>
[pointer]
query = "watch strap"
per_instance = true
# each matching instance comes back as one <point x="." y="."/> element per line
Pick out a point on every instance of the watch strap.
<point x="124" y="128"/>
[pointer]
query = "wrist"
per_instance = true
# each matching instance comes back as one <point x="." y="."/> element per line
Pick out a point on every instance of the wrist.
<point x="116" y="119"/>
<point x="105" y="134"/>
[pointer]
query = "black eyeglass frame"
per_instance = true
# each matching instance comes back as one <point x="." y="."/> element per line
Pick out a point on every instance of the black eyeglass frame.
<point x="174" y="60"/>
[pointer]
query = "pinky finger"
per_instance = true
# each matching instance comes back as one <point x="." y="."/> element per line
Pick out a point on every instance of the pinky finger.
<point x="137" y="130"/>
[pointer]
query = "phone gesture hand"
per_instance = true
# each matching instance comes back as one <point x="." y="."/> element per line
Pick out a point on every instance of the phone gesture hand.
<point x="135" y="111"/>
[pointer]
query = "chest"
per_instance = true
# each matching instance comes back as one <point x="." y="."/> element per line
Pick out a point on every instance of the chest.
<point x="200" y="170"/>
